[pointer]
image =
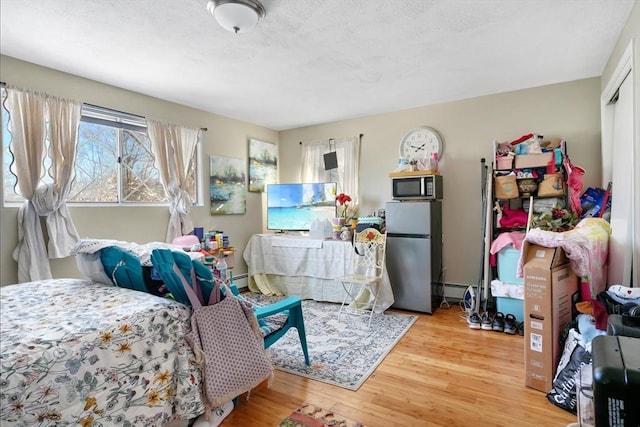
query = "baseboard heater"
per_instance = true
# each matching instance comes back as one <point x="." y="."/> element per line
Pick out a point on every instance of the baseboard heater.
<point x="452" y="291"/>
<point x="241" y="280"/>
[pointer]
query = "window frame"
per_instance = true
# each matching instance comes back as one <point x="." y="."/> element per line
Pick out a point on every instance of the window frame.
<point x="95" y="114"/>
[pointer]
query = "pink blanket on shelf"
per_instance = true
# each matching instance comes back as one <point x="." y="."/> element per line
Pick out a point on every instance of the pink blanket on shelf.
<point x="586" y="246"/>
<point x="512" y="238"/>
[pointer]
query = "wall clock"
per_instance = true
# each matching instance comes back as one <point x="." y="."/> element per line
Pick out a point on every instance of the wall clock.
<point x="421" y="143"/>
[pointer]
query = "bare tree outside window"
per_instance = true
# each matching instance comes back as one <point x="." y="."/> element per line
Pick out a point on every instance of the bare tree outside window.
<point x="96" y="174"/>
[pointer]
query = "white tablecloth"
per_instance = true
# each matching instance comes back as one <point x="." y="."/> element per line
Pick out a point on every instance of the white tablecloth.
<point x="286" y="265"/>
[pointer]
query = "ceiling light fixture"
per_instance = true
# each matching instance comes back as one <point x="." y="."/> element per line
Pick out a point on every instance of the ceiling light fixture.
<point x="237" y="16"/>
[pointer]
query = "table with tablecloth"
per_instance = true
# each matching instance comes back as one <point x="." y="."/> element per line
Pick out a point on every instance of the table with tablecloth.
<point x="298" y="265"/>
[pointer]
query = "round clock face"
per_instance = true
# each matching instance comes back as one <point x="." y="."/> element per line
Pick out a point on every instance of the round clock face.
<point x="421" y="143"/>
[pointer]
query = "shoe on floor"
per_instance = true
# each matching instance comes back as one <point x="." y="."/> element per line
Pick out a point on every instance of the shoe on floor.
<point x="216" y="416"/>
<point x="521" y="328"/>
<point x="510" y="324"/>
<point x="486" y="321"/>
<point x="498" y="322"/>
<point x="474" y="320"/>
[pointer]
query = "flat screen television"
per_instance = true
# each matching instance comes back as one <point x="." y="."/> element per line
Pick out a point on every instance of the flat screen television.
<point x="294" y="207"/>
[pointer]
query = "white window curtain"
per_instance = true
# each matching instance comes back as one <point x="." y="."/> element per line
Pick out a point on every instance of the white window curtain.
<point x="173" y="147"/>
<point x="64" y="121"/>
<point x="348" y="172"/>
<point x="28" y="115"/>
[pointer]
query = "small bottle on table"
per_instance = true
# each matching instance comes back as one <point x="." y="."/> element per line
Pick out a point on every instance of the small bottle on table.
<point x="221" y="267"/>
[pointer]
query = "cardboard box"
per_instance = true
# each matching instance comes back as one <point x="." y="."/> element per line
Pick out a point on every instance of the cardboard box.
<point x="526" y="161"/>
<point x="550" y="294"/>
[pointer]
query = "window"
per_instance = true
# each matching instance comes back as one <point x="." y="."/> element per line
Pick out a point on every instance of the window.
<point x="347" y="173"/>
<point x="114" y="163"/>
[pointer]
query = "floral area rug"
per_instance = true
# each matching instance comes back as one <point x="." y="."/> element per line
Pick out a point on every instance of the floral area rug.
<point x="342" y="352"/>
<point x="309" y="415"/>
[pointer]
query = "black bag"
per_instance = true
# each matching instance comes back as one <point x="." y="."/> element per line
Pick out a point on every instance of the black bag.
<point x="612" y="306"/>
<point x="574" y="355"/>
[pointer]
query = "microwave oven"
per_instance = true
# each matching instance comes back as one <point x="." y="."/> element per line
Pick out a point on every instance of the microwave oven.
<point x="423" y="187"/>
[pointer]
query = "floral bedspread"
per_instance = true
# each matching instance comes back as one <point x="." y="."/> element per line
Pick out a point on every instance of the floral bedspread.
<point x="75" y="352"/>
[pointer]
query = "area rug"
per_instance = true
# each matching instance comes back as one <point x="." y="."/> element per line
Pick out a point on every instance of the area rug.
<point x="342" y="352"/>
<point x="309" y="415"/>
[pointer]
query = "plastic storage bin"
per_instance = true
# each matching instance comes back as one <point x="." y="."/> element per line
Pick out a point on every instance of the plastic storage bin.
<point x="510" y="305"/>
<point x="508" y="264"/>
<point x="504" y="163"/>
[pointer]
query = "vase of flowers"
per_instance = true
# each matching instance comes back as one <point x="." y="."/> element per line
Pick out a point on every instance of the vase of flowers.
<point x="343" y="219"/>
<point x="337" y="222"/>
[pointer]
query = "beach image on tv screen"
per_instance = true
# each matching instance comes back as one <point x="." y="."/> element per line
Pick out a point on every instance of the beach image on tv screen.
<point x="295" y="206"/>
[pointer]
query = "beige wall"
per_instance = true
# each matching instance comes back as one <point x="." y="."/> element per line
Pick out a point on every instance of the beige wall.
<point x="468" y="127"/>
<point x="225" y="137"/>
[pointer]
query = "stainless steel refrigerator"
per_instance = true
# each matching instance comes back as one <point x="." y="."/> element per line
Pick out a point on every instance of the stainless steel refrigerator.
<point x="414" y="253"/>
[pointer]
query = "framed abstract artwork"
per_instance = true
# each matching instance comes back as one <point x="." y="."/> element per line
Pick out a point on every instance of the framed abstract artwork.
<point x="263" y="165"/>
<point x="227" y="186"/>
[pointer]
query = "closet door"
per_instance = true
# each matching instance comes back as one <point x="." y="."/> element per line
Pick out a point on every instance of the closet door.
<point x="624" y="218"/>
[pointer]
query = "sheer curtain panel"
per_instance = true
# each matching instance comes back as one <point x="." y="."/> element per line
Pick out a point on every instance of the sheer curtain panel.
<point x="346" y="175"/>
<point x="312" y="169"/>
<point x="64" y="120"/>
<point x="29" y="113"/>
<point x="173" y="148"/>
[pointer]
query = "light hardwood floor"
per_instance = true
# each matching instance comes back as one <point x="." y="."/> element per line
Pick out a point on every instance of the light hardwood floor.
<point x="441" y="373"/>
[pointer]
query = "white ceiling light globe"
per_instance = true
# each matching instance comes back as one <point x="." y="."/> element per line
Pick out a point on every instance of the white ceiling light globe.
<point x="236" y="16"/>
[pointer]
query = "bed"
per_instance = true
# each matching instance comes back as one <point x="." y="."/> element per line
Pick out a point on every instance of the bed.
<point x="77" y="352"/>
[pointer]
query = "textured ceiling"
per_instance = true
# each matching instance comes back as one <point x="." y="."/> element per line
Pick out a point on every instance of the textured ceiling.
<point x="316" y="61"/>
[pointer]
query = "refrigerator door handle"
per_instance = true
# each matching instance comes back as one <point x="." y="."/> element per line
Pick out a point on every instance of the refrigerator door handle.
<point x="413" y="236"/>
